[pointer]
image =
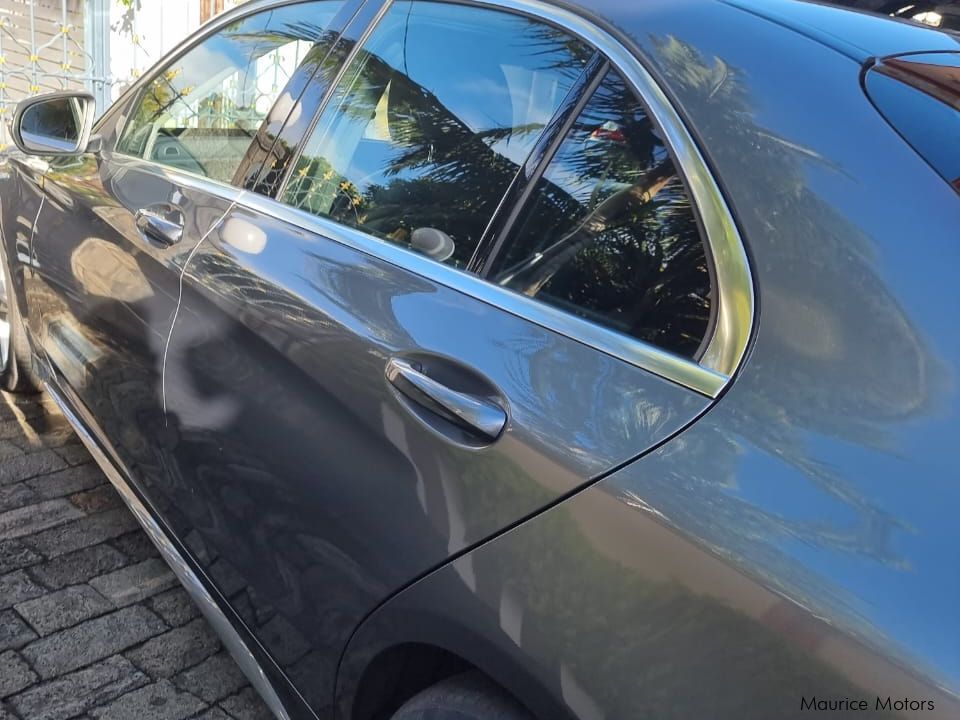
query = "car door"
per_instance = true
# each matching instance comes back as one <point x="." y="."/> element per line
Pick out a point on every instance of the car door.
<point x="113" y="229"/>
<point x="401" y="353"/>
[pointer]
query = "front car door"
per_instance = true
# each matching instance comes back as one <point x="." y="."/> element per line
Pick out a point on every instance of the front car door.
<point x="113" y="231"/>
<point x="392" y="355"/>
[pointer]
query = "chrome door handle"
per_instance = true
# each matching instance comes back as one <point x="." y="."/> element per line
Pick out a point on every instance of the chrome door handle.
<point x="476" y="414"/>
<point x="157" y="228"/>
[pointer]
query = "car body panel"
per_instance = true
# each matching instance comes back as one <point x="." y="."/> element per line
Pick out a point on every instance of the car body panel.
<point x="800" y="539"/>
<point x="276" y="397"/>
<point x="860" y="35"/>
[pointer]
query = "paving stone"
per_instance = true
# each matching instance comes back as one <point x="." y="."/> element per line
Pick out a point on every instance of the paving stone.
<point x="211" y="714"/>
<point x="16" y="674"/>
<point x="9" y="451"/>
<point x="82" y="533"/>
<point x="16" y="495"/>
<point x="214" y="679"/>
<point x="246" y="705"/>
<point x="14" y="632"/>
<point x="75" y="669"/>
<point x="79" y="691"/>
<point x="67" y="482"/>
<point x="58" y="610"/>
<point x="22" y="402"/>
<point x="35" y="518"/>
<point x="91" y="641"/>
<point x="50" y="438"/>
<point x="160" y="701"/>
<point x="97" y="500"/>
<point x="78" y="567"/>
<point x="10" y="428"/>
<point x="73" y="453"/>
<point x="175" y="607"/>
<point x="15" y="555"/>
<point x="136" y="545"/>
<point x="136" y="582"/>
<point x="183" y="647"/>
<point x="24" y="466"/>
<point x="16" y="587"/>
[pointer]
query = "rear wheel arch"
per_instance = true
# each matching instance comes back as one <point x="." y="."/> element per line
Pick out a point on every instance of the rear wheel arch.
<point x="391" y="659"/>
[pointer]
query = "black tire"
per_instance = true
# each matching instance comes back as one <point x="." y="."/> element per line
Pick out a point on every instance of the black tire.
<point x="470" y="696"/>
<point x="17" y="365"/>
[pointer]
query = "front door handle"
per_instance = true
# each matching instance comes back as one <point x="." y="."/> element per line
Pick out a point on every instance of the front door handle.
<point x="161" y="224"/>
<point x="474" y="414"/>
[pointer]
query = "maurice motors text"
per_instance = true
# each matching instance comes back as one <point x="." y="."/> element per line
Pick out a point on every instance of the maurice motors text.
<point x="887" y="703"/>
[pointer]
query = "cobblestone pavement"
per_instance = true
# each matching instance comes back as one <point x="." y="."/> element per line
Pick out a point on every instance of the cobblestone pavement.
<point x="93" y="625"/>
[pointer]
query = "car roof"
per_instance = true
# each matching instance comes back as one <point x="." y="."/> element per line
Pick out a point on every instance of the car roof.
<point x="859" y="34"/>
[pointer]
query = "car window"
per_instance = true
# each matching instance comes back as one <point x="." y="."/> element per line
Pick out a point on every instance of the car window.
<point x="202" y="112"/>
<point x="430" y="123"/>
<point x="610" y="234"/>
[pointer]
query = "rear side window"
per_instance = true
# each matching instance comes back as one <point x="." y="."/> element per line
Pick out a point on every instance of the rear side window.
<point x="431" y="122"/>
<point x="610" y="234"/>
<point x="920" y="96"/>
<point x="202" y="112"/>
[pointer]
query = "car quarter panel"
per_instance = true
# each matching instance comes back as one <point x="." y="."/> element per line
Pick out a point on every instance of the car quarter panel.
<point x="799" y="541"/>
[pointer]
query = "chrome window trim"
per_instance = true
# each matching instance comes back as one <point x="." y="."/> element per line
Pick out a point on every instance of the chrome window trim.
<point x="735" y="296"/>
<point x="623" y="347"/>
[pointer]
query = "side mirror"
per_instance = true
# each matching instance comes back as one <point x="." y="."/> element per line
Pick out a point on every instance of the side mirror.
<point x="54" y="124"/>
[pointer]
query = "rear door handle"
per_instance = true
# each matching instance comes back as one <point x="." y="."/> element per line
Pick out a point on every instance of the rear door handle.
<point x="475" y="414"/>
<point x="161" y="224"/>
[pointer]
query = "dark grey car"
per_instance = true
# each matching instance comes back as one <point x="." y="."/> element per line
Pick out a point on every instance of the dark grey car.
<point x="511" y="359"/>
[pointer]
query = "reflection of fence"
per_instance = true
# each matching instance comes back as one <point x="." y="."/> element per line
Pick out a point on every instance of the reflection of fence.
<point x="99" y="45"/>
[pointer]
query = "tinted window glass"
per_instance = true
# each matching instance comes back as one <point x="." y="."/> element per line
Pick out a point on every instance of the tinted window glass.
<point x="431" y="122"/>
<point x="610" y="234"/>
<point x="202" y="112"/>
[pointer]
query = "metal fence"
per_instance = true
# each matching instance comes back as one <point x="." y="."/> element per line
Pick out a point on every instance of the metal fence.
<point x="97" y="45"/>
<point x="52" y="45"/>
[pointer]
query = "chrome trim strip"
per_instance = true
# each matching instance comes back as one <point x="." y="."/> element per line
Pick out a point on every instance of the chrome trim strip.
<point x="183" y="178"/>
<point x="735" y="297"/>
<point x="623" y="347"/>
<point x="672" y="367"/>
<point x="193" y="585"/>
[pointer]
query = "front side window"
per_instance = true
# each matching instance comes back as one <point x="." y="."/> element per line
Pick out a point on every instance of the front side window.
<point x="201" y="113"/>
<point x="610" y="234"/>
<point x="431" y="122"/>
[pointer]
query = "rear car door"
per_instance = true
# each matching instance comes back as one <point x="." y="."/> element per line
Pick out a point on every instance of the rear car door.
<point x="480" y="285"/>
